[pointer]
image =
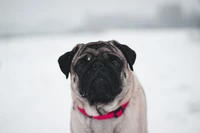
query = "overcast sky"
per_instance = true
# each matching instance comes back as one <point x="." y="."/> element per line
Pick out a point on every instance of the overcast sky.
<point x="25" y="13"/>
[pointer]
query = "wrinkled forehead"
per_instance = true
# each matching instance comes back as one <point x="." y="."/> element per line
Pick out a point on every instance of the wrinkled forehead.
<point x="99" y="47"/>
<point x="96" y="49"/>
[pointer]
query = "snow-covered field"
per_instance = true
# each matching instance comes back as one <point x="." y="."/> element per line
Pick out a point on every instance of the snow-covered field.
<point x="35" y="96"/>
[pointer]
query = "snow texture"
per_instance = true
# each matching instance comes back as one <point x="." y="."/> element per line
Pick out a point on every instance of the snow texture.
<point x="35" y="96"/>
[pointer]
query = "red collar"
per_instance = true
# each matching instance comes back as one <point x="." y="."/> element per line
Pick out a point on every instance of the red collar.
<point x="114" y="114"/>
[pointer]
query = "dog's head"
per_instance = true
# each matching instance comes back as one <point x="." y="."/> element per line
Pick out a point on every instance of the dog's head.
<point x="99" y="70"/>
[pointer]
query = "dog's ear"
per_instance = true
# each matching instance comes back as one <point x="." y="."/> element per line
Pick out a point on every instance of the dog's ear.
<point x="128" y="53"/>
<point x="65" y="60"/>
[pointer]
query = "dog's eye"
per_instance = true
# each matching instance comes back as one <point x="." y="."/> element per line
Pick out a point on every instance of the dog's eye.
<point x="115" y="63"/>
<point x="85" y="58"/>
<point x="79" y="66"/>
<point x="89" y="57"/>
<point x="82" y="62"/>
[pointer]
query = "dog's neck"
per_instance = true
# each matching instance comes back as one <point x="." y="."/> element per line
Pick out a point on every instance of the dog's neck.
<point x="114" y="114"/>
<point x="100" y="110"/>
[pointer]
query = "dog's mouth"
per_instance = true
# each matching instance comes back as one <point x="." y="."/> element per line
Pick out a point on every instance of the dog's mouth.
<point x="99" y="90"/>
<point x="100" y="86"/>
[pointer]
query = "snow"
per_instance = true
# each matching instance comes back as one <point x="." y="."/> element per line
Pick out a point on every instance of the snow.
<point x="35" y="96"/>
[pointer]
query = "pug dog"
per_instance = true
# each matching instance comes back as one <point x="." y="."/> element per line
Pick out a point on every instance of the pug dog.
<point x="107" y="96"/>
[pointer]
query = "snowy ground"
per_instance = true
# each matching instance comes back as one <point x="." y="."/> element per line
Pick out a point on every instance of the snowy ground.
<point x="35" y="96"/>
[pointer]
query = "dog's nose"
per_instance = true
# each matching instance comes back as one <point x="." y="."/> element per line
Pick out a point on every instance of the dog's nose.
<point x="98" y="65"/>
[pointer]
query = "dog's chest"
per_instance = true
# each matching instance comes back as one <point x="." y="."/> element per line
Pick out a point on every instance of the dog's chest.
<point x="104" y="126"/>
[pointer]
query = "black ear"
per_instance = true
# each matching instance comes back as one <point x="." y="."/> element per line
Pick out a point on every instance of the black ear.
<point x="128" y="53"/>
<point x="65" y="61"/>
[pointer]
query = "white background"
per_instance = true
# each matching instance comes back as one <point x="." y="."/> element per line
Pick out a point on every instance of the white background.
<point x="35" y="96"/>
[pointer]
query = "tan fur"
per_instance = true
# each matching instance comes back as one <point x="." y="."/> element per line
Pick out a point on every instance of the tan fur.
<point x="134" y="117"/>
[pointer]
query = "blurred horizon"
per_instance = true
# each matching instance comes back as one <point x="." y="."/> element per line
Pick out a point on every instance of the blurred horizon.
<point x="21" y="17"/>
